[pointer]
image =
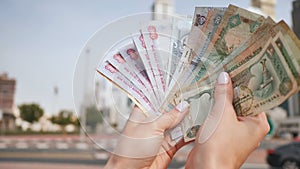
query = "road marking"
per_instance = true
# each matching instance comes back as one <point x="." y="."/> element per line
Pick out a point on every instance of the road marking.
<point x="253" y="165"/>
<point x="61" y="145"/>
<point x="82" y="146"/>
<point x="42" y="145"/>
<point x="3" y="146"/>
<point x="101" y="156"/>
<point x="21" y="145"/>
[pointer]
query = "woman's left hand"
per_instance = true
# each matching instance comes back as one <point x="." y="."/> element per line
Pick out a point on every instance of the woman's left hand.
<point x="143" y="143"/>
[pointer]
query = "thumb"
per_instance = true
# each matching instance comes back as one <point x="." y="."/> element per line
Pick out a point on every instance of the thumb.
<point x="223" y="93"/>
<point x="174" y="117"/>
<point x="223" y="96"/>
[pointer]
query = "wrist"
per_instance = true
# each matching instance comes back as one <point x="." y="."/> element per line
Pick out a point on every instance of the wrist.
<point x="199" y="158"/>
<point x="117" y="162"/>
<point x="112" y="163"/>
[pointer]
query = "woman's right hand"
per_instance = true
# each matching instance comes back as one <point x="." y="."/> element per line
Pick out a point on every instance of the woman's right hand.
<point x="225" y="140"/>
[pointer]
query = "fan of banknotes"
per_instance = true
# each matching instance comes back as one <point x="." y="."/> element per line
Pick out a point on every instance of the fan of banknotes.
<point x="178" y="59"/>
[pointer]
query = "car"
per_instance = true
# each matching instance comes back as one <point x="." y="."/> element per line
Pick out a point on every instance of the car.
<point x="285" y="156"/>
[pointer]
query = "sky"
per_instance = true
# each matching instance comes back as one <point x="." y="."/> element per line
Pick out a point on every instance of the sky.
<point x="41" y="40"/>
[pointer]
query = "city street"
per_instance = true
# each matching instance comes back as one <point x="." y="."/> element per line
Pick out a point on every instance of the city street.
<point x="55" y="152"/>
<point x="24" y="152"/>
<point x="75" y="75"/>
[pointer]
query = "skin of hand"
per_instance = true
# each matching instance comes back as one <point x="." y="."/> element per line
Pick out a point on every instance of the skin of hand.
<point x="234" y="137"/>
<point x="143" y="143"/>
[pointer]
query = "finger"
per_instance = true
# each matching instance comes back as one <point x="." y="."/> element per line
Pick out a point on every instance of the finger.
<point x="171" y="149"/>
<point x="223" y="96"/>
<point x="137" y="115"/>
<point x="223" y="93"/>
<point x="167" y="153"/>
<point x="174" y="117"/>
<point x="258" y="123"/>
<point x="179" y="145"/>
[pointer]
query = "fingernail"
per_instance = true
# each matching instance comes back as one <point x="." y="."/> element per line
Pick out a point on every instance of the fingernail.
<point x="182" y="106"/>
<point x="223" y="78"/>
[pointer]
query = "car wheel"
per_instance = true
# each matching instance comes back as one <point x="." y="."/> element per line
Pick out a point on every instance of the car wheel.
<point x="290" y="164"/>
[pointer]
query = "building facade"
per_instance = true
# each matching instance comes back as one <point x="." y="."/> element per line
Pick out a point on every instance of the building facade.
<point x="162" y="9"/>
<point x="267" y="7"/>
<point x="7" y="93"/>
<point x="296" y="16"/>
<point x="294" y="103"/>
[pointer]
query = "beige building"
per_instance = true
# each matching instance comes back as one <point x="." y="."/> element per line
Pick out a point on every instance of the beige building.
<point x="267" y="7"/>
<point x="163" y="8"/>
<point x="7" y="93"/>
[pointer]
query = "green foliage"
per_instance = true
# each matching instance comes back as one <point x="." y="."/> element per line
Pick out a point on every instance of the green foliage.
<point x="31" y="112"/>
<point x="64" y="118"/>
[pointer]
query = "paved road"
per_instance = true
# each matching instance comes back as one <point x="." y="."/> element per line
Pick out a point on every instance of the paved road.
<point x="37" y="165"/>
<point x="19" y="152"/>
<point x="57" y="152"/>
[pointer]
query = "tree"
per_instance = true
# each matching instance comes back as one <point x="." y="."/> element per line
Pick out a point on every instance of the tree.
<point x="64" y="118"/>
<point x="31" y="112"/>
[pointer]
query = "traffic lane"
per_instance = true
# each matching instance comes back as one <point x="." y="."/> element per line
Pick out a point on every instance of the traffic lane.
<point x="37" y="165"/>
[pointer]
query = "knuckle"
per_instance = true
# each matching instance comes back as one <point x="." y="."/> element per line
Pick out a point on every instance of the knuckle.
<point x="267" y="128"/>
<point x="172" y="116"/>
<point x="264" y="126"/>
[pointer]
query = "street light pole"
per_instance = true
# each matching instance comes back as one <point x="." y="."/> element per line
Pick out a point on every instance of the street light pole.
<point x="84" y="104"/>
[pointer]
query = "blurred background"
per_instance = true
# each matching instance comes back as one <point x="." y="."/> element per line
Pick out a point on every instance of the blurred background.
<point x="48" y="84"/>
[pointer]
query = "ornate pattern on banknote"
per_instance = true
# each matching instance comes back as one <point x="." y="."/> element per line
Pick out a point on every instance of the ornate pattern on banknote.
<point x="171" y="61"/>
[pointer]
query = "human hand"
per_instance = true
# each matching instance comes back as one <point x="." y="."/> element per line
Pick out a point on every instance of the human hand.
<point x="143" y="143"/>
<point x="225" y="140"/>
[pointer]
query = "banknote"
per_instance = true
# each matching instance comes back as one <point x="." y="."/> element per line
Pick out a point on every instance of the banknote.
<point x="179" y="59"/>
<point x="287" y="53"/>
<point x="110" y="72"/>
<point x="261" y="81"/>
<point x="132" y="57"/>
<point x="157" y="38"/>
<point x="251" y="52"/>
<point x="230" y="28"/>
<point x="180" y="33"/>
<point x="134" y="62"/>
<point x="292" y="44"/>
<point x="201" y="18"/>
<point x="254" y="44"/>
<point x="194" y="38"/>
<point x="214" y="17"/>
<point x="116" y="59"/>
<point x="206" y="20"/>
<point x="207" y="66"/>
<point x="236" y="27"/>
<point x="141" y="48"/>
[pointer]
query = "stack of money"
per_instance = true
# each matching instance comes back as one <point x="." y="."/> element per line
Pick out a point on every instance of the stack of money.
<point x="170" y="61"/>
